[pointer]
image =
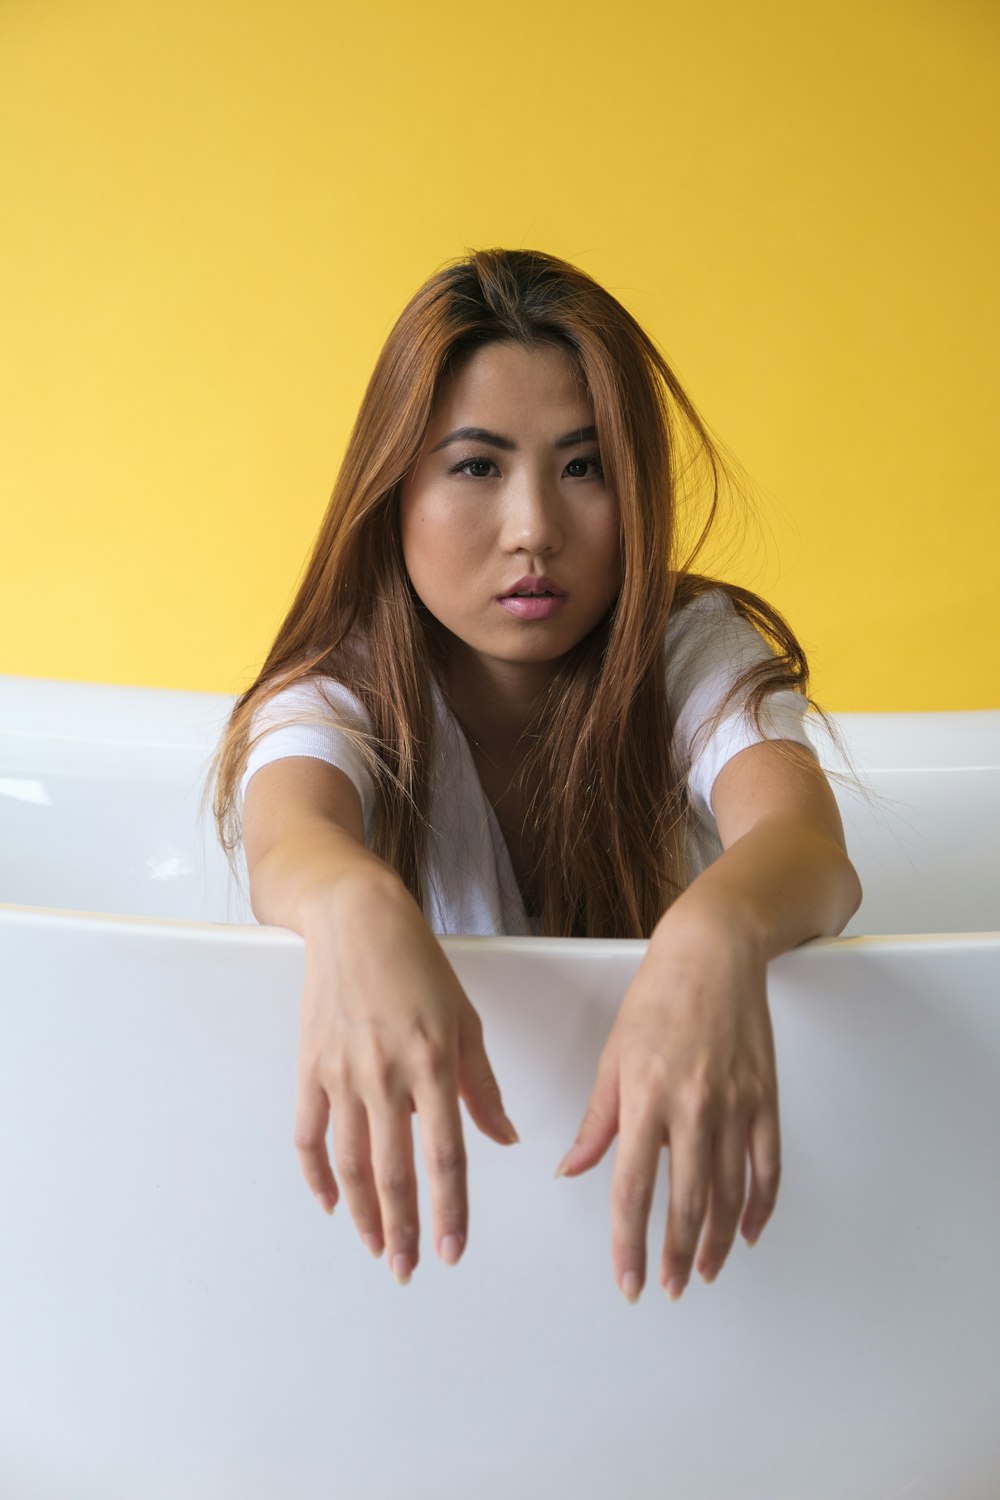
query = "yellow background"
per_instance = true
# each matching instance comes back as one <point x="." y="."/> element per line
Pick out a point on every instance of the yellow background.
<point x="214" y="210"/>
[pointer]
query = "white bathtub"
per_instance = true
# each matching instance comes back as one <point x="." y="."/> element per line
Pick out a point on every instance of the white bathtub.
<point x="179" y="1319"/>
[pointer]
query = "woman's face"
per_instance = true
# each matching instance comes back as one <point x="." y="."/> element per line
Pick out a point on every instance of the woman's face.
<point x="525" y="497"/>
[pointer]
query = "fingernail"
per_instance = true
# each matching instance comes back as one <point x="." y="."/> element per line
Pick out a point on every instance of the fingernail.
<point x="373" y="1242"/>
<point x="630" y="1286"/>
<point x="675" y="1286"/>
<point x="512" y="1134"/>
<point x="451" y="1248"/>
<point x="709" y="1273"/>
<point x="752" y="1239"/>
<point x="402" y="1269"/>
<point x="563" y="1166"/>
<point x="325" y="1202"/>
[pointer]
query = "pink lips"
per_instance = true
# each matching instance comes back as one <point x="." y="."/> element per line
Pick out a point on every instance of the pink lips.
<point x="548" y="598"/>
<point x="533" y="584"/>
<point x="534" y="609"/>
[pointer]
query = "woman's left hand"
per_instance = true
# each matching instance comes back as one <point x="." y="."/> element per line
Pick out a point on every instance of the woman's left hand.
<point x="689" y="1064"/>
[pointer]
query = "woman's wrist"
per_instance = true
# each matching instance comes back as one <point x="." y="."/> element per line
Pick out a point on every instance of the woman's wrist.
<point x="353" y="896"/>
<point x="706" y="919"/>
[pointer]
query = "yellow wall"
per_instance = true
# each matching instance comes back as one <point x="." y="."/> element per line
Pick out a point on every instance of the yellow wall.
<point x="213" y="210"/>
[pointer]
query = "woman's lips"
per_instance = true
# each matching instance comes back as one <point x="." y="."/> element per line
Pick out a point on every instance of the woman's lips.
<point x="533" y="583"/>
<point x="542" y="607"/>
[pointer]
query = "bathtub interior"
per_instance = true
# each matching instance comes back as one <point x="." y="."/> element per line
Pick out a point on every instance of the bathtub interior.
<point x="100" y="788"/>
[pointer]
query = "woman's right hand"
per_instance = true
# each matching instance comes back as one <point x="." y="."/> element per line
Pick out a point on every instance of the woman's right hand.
<point x="387" y="1030"/>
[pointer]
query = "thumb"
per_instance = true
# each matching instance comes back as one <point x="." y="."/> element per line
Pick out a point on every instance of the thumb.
<point x="599" y="1127"/>
<point x="477" y="1082"/>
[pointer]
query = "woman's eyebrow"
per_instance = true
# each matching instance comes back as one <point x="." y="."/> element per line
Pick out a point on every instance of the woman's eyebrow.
<point x="497" y="440"/>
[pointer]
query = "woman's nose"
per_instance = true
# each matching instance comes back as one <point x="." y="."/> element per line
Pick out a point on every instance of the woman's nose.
<point x="532" y="521"/>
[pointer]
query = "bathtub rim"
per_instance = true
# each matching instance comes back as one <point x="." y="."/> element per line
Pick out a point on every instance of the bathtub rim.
<point x="237" y="933"/>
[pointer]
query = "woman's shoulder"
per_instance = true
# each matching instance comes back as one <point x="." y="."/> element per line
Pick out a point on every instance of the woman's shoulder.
<point x="705" y="620"/>
<point x="708" y="644"/>
<point x="695" y="613"/>
<point x="320" y="718"/>
<point x="318" y="695"/>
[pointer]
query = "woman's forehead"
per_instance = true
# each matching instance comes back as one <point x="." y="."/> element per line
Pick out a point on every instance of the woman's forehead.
<point x="508" y="378"/>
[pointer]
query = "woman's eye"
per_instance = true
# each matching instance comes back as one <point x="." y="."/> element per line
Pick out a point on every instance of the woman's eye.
<point x="467" y="463"/>
<point x="595" y="461"/>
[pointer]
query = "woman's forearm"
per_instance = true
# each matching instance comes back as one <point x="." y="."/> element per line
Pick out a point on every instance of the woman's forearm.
<point x="295" y="879"/>
<point x="779" y="885"/>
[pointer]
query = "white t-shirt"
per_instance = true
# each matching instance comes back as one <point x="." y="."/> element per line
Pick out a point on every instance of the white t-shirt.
<point x="468" y="876"/>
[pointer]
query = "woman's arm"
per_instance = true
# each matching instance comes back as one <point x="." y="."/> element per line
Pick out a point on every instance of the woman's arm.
<point x="303" y="835"/>
<point x="784" y="876"/>
<point x="690" y="1059"/>
<point x="386" y="1029"/>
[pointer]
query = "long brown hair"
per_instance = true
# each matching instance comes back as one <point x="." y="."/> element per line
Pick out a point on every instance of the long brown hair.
<point x="609" y="817"/>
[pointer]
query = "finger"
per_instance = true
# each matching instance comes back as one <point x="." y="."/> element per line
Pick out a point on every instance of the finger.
<point x="443" y="1147"/>
<point x="312" y="1113"/>
<point x="353" y="1152"/>
<point x="477" y="1082"/>
<point x="600" y="1121"/>
<point x="391" y="1137"/>
<point x="691" y="1140"/>
<point x="633" y="1183"/>
<point x="729" y="1174"/>
<point x="765" y="1160"/>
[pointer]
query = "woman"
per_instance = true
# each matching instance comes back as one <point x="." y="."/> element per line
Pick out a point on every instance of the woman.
<point x="501" y="702"/>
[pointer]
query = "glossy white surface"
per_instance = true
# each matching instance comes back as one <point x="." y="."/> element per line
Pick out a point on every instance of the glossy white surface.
<point x="99" y="789"/>
<point x="180" y="1320"/>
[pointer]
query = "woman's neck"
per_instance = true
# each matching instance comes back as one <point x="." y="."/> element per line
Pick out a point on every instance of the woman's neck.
<point x="495" y="703"/>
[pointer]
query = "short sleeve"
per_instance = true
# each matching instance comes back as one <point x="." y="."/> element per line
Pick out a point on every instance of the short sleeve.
<point x="290" y="732"/>
<point x="709" y="645"/>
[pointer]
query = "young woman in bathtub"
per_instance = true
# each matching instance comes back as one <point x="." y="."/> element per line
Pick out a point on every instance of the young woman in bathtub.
<point x="502" y="702"/>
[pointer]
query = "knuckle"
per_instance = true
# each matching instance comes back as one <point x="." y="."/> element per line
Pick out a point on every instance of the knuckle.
<point x="452" y="1221"/>
<point x="647" y="1099"/>
<point x="737" y="1097"/>
<point x="448" y="1158"/>
<point x="380" y="1072"/>
<point x="432" y="1063"/>
<point x="352" y="1168"/>
<point x="688" y="1208"/>
<point x="334" y="1072"/>
<point x="393" y="1180"/>
<point x="698" y="1097"/>
<point x="731" y="1197"/>
<point x="757" y="1095"/>
<point x="631" y="1193"/>
<point x="650" y="1077"/>
<point x="402" y="1237"/>
<point x="307" y="1141"/>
